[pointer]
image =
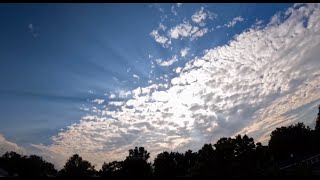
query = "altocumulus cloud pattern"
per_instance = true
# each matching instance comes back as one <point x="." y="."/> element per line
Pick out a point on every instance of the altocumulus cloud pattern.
<point x="259" y="80"/>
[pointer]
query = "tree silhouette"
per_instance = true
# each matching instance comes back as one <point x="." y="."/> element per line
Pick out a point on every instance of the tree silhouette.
<point x="204" y="162"/>
<point x="290" y="143"/>
<point x="34" y="165"/>
<point x="111" y="169"/>
<point x="292" y="150"/>
<point x="265" y="164"/>
<point x="136" y="163"/>
<point x="13" y="163"/>
<point x="317" y="128"/>
<point x="76" y="166"/>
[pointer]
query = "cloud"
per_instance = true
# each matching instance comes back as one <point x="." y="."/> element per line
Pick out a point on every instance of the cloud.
<point x="234" y="21"/>
<point x="179" y="4"/>
<point x="168" y="62"/>
<point x="262" y="79"/>
<point x="199" y="16"/>
<point x="99" y="101"/>
<point x="164" y="41"/>
<point x="112" y="96"/>
<point x="184" y="52"/>
<point x="187" y="30"/>
<point x="136" y="76"/>
<point x="199" y="33"/>
<point x="124" y="94"/>
<point x="32" y="30"/>
<point x="116" y="103"/>
<point x="174" y="11"/>
<point x="162" y="26"/>
<point x="7" y="146"/>
<point x="182" y="30"/>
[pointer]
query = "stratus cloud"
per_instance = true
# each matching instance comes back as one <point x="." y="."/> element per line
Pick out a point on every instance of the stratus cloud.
<point x="168" y="62"/>
<point x="252" y="82"/>
<point x="234" y="21"/>
<point x="7" y="146"/>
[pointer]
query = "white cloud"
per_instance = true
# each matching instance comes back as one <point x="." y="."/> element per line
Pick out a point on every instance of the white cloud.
<point x="212" y="15"/>
<point x="234" y="21"/>
<point x="199" y="16"/>
<point x="162" y="26"/>
<point x="136" y="76"/>
<point x="184" y="52"/>
<point x="164" y="41"/>
<point x="124" y="94"/>
<point x="178" y="70"/>
<point x="99" y="101"/>
<point x="112" y="96"/>
<point x="7" y="146"/>
<point x="179" y="4"/>
<point x="199" y="33"/>
<point x="261" y="80"/>
<point x="116" y="103"/>
<point x="168" y="62"/>
<point x="174" y="11"/>
<point x="187" y="30"/>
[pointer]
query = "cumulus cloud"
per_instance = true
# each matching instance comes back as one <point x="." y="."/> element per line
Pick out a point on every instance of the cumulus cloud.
<point x="199" y="16"/>
<point x="116" y="103"/>
<point x="112" y="96"/>
<point x="163" y="40"/>
<point x="99" y="101"/>
<point x="124" y="94"/>
<point x="184" y="52"/>
<point x="168" y="62"/>
<point x="7" y="146"/>
<point x="260" y="80"/>
<point x="234" y="21"/>
<point x="187" y="30"/>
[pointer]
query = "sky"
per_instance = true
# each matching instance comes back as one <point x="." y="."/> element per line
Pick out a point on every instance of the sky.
<point x="100" y="79"/>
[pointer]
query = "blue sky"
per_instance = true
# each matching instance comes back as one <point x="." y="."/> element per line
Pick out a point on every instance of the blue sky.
<point x="66" y="65"/>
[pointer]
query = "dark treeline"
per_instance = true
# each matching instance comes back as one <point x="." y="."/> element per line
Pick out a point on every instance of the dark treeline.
<point x="291" y="150"/>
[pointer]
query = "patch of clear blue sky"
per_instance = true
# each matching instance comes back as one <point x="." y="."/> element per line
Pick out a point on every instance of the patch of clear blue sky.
<point x="47" y="70"/>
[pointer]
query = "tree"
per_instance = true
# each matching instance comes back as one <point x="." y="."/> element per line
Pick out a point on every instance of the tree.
<point x="317" y="128"/>
<point x="111" y="169"/>
<point x="34" y="165"/>
<point x="204" y="162"/>
<point x="76" y="166"/>
<point x="165" y="164"/>
<point x="291" y="143"/>
<point x="265" y="164"/>
<point x="136" y="163"/>
<point x="13" y="163"/>
<point x="235" y="156"/>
